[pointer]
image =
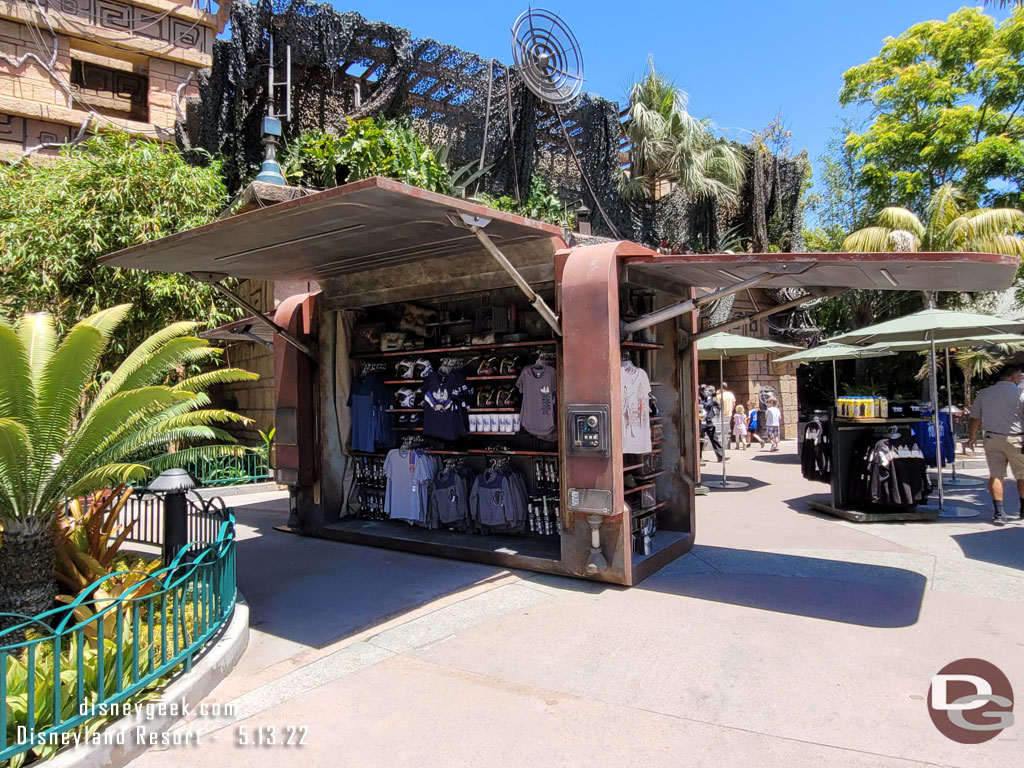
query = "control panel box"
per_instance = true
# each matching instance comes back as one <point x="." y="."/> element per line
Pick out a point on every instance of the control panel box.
<point x="589" y="430"/>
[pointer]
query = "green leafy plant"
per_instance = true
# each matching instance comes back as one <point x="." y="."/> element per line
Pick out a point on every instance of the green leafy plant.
<point x="59" y="440"/>
<point x="541" y="204"/>
<point x="388" y="148"/>
<point x="88" y="537"/>
<point x="111" y="191"/>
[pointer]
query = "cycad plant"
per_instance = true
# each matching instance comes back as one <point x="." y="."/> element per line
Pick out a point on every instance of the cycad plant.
<point x="62" y="435"/>
<point x="670" y="145"/>
<point x="951" y="225"/>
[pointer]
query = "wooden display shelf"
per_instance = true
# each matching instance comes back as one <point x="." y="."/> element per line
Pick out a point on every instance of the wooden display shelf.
<point x="634" y="514"/>
<point x="404" y="381"/>
<point x="656" y="384"/>
<point x="646" y="478"/>
<point x="443" y="350"/>
<point x="407" y="429"/>
<point x="633" y="467"/>
<point x="656" y="418"/>
<point x="657" y="442"/>
<point x="493" y="410"/>
<point x="493" y="378"/>
<point x="404" y="410"/>
<point x="637" y="489"/>
<point x="641" y="345"/>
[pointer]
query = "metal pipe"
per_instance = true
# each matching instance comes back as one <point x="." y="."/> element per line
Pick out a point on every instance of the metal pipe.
<point x="536" y="301"/>
<point x="258" y="315"/>
<point x="935" y="419"/>
<point x="675" y="310"/>
<point x="724" y="438"/>
<point x="765" y="312"/>
<point x="949" y="400"/>
<point x="835" y="385"/>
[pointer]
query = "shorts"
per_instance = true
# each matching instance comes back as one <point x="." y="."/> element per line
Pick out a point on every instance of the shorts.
<point x="771" y="431"/>
<point x="1001" y="450"/>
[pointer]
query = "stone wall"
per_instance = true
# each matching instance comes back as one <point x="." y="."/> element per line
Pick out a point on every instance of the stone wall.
<point x="98" y="65"/>
<point x="254" y="399"/>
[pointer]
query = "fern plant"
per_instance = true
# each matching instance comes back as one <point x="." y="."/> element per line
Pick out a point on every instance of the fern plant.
<point x="61" y="439"/>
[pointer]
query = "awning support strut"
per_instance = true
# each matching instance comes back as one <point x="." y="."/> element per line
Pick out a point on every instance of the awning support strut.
<point x="764" y="313"/>
<point x="213" y="279"/>
<point x="675" y="310"/>
<point x="476" y="224"/>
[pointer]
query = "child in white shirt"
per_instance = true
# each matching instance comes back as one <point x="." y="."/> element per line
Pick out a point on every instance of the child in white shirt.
<point x="739" y="427"/>
<point x="773" y="422"/>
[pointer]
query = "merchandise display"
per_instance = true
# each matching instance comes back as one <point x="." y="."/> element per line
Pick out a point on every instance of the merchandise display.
<point x="446" y="403"/>
<point x="636" y="409"/>
<point x="410" y="474"/>
<point x="538" y="384"/>
<point x="369" y="400"/>
<point x="449" y="498"/>
<point x="890" y="473"/>
<point x="498" y="500"/>
<point x="816" y="452"/>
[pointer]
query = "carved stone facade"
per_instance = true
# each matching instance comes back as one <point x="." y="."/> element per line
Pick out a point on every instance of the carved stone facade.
<point x="72" y="67"/>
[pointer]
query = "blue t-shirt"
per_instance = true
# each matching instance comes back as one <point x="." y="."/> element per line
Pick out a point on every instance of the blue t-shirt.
<point x="368" y="400"/>
<point x="409" y="476"/>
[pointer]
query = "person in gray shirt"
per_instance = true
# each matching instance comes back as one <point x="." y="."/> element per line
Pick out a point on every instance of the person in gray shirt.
<point x="999" y="411"/>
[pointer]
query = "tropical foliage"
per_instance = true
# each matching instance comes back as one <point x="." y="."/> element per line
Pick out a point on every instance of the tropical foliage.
<point x="89" y="537"/>
<point x="109" y="192"/>
<point x="669" y="145"/>
<point x="542" y="204"/>
<point x="63" y="436"/>
<point x="950" y="225"/>
<point x="369" y="147"/>
<point x="946" y="100"/>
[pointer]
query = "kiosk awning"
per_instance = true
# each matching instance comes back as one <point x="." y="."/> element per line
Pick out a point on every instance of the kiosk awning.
<point x="886" y="271"/>
<point x="359" y="226"/>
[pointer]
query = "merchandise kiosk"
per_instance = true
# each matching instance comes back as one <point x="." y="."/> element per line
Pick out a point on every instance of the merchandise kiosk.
<point x="428" y="303"/>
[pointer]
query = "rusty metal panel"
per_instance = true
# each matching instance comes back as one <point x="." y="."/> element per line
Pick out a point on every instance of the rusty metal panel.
<point x="370" y="224"/>
<point x="879" y="271"/>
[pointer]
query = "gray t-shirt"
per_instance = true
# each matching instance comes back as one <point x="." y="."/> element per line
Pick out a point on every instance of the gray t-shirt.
<point x="538" y="385"/>
<point x="1000" y="408"/>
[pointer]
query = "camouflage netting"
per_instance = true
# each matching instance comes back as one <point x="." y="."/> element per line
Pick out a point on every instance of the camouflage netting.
<point x="345" y="66"/>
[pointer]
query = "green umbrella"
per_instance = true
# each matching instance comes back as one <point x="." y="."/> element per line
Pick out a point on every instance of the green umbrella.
<point x="933" y="326"/>
<point x="721" y="346"/>
<point x="833" y="352"/>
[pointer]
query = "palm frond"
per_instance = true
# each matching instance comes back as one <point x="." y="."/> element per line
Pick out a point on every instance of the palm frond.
<point x="17" y="397"/>
<point x="189" y="455"/>
<point x="1007" y="245"/>
<point x="868" y="240"/>
<point x="212" y="378"/>
<point x="39" y="337"/>
<point x="895" y="217"/>
<point x="106" y="321"/>
<point x="140" y="355"/>
<point x="15" y="467"/>
<point x="985" y="222"/>
<point x="944" y="206"/>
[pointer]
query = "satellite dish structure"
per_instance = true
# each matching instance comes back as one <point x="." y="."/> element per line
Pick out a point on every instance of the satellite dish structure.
<point x="549" y="62"/>
<point x="547" y="56"/>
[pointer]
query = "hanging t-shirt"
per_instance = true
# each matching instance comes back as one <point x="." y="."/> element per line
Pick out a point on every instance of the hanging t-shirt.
<point x="539" y="384"/>
<point x="368" y="400"/>
<point x="446" y="405"/>
<point x="636" y="410"/>
<point x="409" y="476"/>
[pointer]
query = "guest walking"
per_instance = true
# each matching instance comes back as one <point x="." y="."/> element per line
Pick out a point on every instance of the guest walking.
<point x="999" y="411"/>
<point x="739" y="428"/>
<point x="773" y="423"/>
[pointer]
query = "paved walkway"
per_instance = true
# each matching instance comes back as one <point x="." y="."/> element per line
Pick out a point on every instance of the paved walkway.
<point x="786" y="638"/>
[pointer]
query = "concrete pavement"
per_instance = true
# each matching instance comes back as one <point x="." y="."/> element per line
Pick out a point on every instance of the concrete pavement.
<point x="786" y="638"/>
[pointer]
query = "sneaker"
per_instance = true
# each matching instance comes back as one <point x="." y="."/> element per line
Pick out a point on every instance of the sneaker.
<point x="999" y="520"/>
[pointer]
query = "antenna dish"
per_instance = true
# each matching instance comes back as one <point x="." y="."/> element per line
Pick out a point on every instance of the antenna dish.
<point x="547" y="56"/>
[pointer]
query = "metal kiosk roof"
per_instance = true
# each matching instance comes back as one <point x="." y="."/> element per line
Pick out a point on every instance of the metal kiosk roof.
<point x="378" y="223"/>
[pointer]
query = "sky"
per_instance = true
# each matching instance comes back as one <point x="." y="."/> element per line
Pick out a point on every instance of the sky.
<point x="741" y="61"/>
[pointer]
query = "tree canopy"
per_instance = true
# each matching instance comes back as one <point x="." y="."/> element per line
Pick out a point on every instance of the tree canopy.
<point x="109" y="192"/>
<point x="946" y="100"/>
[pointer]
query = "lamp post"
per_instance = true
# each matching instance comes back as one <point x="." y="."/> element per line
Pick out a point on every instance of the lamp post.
<point x="583" y="219"/>
<point x="173" y="485"/>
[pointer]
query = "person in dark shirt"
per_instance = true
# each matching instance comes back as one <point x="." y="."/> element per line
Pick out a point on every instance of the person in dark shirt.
<point x="707" y="425"/>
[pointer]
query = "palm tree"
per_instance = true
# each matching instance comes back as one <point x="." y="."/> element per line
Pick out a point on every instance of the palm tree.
<point x="669" y="145"/>
<point x="63" y="435"/>
<point x="952" y="226"/>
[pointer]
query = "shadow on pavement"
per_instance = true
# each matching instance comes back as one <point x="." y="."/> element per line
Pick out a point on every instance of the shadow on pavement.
<point x="1000" y="546"/>
<point x="316" y="592"/>
<point x="833" y="590"/>
<point x="776" y="457"/>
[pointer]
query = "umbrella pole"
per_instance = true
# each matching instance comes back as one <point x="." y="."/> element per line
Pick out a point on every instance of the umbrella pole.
<point x="949" y="400"/>
<point x="835" y="385"/>
<point x="724" y="438"/>
<point x="935" y="420"/>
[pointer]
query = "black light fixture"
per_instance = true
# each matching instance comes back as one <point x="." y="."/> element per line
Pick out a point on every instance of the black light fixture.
<point x="583" y="218"/>
<point x="173" y="485"/>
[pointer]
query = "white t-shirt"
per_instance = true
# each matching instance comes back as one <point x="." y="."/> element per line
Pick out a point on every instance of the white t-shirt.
<point x="636" y="410"/>
<point x="773" y="416"/>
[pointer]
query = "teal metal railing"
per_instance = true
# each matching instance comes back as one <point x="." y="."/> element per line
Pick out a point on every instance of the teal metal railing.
<point x="252" y="466"/>
<point x="111" y="646"/>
